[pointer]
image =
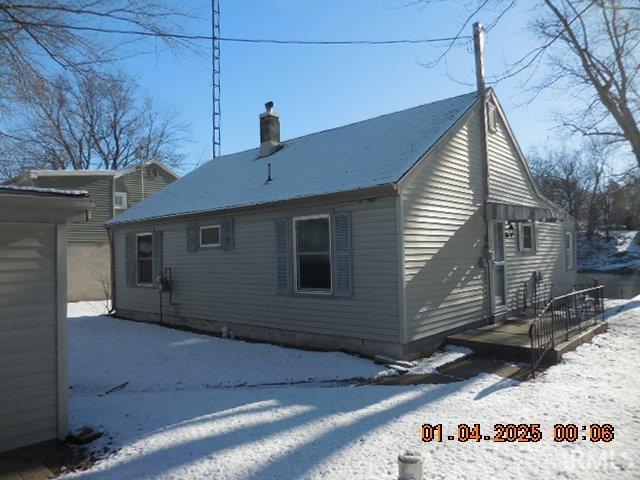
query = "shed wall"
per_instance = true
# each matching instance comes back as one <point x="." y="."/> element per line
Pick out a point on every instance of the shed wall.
<point x="444" y="229"/>
<point x="28" y="372"/>
<point x="239" y="287"/>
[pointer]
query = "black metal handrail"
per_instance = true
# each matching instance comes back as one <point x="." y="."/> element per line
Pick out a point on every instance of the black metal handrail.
<point x="562" y="318"/>
<point x="535" y="296"/>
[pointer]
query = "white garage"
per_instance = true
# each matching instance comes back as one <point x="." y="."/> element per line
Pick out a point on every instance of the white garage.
<point x="33" y="302"/>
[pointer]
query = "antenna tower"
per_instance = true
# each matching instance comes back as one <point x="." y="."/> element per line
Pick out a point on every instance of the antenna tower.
<point x="215" y="71"/>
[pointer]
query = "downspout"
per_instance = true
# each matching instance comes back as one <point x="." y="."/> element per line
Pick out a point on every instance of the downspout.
<point x="112" y="251"/>
<point x="478" y="43"/>
<point x="142" y="181"/>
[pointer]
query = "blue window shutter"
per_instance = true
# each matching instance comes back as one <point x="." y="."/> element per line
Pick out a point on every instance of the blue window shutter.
<point x="226" y="235"/>
<point x="343" y="264"/>
<point x="283" y="265"/>
<point x="157" y="256"/>
<point x="193" y="240"/>
<point x="130" y="259"/>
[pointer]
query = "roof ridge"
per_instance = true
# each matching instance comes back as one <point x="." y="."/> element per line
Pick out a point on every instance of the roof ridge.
<point x="348" y="124"/>
<point x="365" y="154"/>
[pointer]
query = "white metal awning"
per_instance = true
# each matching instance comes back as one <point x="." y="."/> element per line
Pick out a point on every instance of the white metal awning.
<point x="520" y="213"/>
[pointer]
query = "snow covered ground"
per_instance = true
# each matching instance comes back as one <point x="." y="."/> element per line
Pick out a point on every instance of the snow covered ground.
<point x="620" y="253"/>
<point x="178" y="417"/>
<point x="105" y="352"/>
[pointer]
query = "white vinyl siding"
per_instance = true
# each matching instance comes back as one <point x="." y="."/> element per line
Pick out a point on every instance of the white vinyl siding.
<point x="509" y="181"/>
<point x="240" y="286"/>
<point x="28" y="358"/>
<point x="444" y="235"/>
<point x="549" y="260"/>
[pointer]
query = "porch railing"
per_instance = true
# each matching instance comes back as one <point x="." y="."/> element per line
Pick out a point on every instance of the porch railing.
<point x="562" y="318"/>
<point x="536" y="295"/>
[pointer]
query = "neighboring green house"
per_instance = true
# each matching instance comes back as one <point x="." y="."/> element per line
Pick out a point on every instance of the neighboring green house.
<point x="89" y="269"/>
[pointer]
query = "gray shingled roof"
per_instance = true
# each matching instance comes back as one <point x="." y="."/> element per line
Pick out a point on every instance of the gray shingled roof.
<point x="371" y="153"/>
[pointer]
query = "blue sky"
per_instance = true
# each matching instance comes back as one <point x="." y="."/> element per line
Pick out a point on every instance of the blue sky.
<point x="320" y="87"/>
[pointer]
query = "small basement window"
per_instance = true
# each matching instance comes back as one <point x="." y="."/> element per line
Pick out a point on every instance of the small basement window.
<point x="120" y="200"/>
<point x="526" y="237"/>
<point x="144" y="258"/>
<point x="210" y="236"/>
<point x="568" y="249"/>
<point x="312" y="247"/>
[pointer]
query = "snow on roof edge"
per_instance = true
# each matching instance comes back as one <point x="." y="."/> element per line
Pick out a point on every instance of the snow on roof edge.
<point x="114" y="221"/>
<point x="55" y="191"/>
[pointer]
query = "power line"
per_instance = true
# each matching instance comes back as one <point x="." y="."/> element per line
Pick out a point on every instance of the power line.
<point x="179" y="36"/>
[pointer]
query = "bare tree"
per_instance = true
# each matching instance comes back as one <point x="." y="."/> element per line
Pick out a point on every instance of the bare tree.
<point x="575" y="180"/>
<point x="96" y="121"/>
<point x="39" y="38"/>
<point x="593" y="48"/>
<point x="597" y="197"/>
<point x="625" y="200"/>
<point x="564" y="177"/>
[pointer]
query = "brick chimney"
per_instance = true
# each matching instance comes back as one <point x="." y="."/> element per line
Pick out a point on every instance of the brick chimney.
<point x="269" y="131"/>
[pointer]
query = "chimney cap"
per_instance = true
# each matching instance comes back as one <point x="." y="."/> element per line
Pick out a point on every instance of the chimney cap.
<point x="269" y="106"/>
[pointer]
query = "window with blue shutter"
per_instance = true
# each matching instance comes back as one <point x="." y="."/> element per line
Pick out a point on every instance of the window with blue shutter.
<point x="130" y="259"/>
<point x="343" y="263"/>
<point x="283" y="266"/>
<point x="193" y="240"/>
<point x="226" y="235"/>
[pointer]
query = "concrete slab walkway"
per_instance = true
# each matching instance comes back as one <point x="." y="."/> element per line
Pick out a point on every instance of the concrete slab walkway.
<point x="462" y="369"/>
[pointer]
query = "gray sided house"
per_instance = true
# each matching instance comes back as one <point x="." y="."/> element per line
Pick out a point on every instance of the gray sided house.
<point x="113" y="192"/>
<point x="33" y="312"/>
<point x="380" y="237"/>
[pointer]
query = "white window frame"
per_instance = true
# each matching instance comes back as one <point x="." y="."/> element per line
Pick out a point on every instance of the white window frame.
<point x="205" y="227"/>
<point x="568" y="252"/>
<point x="150" y="284"/>
<point x="122" y="195"/>
<point x="153" y="172"/>
<point x="534" y="245"/>
<point x="295" y="255"/>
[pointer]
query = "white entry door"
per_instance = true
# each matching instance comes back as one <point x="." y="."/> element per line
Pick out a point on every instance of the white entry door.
<point x="498" y="270"/>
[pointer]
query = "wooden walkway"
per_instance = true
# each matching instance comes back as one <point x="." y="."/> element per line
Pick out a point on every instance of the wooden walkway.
<point x="506" y="340"/>
<point x="510" y="340"/>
